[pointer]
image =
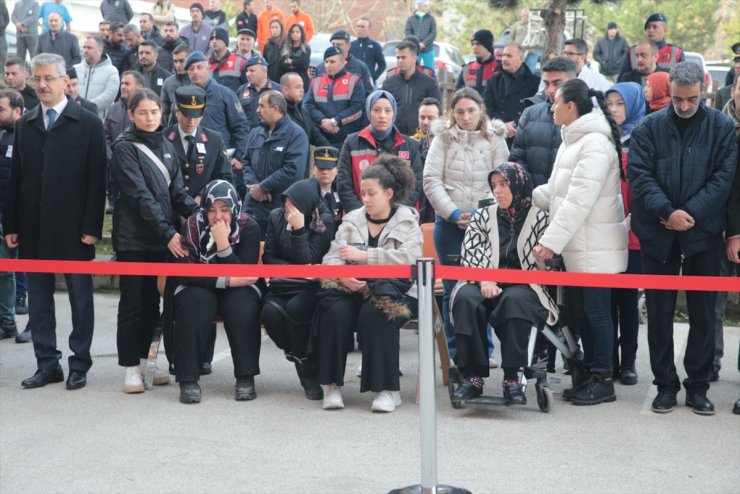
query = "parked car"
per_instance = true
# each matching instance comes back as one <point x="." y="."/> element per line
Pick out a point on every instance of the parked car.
<point x="319" y="43"/>
<point x="698" y="59"/>
<point x="718" y="71"/>
<point x="447" y="58"/>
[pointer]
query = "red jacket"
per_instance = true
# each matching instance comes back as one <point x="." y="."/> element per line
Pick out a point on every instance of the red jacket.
<point x="634" y="242"/>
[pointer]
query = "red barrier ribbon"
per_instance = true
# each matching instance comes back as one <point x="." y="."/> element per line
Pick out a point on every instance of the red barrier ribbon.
<point x="655" y="282"/>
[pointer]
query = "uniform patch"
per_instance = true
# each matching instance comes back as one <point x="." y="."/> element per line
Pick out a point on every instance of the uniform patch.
<point x="239" y="108"/>
<point x="403" y="154"/>
<point x="364" y="164"/>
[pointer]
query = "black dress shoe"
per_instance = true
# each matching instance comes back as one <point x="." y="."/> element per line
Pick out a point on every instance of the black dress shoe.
<point x="699" y="404"/>
<point x="244" y="389"/>
<point x="514" y="394"/>
<point x="189" y="392"/>
<point x="736" y="408"/>
<point x="205" y="368"/>
<point x="664" y="402"/>
<point x="44" y="377"/>
<point x="76" y="379"/>
<point x="715" y="376"/>
<point x="466" y="392"/>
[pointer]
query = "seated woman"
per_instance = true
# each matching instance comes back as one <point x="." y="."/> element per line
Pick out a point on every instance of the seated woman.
<point x="300" y="232"/>
<point x="382" y="231"/>
<point x="217" y="234"/>
<point x="500" y="236"/>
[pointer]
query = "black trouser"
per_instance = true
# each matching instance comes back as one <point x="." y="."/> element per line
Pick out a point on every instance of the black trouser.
<point x="194" y="310"/>
<point x="380" y="342"/>
<point x="42" y="318"/>
<point x="287" y="319"/>
<point x="661" y="305"/>
<point x="138" y="309"/>
<point x="471" y="313"/>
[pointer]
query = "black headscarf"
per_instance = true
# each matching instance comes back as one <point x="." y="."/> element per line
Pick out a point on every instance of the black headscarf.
<point x="197" y="236"/>
<point x="520" y="183"/>
<point x="306" y="196"/>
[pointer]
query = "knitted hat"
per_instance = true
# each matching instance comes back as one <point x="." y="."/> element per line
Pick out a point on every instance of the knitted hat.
<point x="220" y="33"/>
<point x="611" y="25"/>
<point x="198" y="6"/>
<point x="485" y="38"/>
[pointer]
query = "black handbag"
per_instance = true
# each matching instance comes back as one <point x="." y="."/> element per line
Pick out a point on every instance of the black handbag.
<point x="292" y="286"/>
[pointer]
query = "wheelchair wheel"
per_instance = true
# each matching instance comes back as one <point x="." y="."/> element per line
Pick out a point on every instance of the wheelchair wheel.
<point x="642" y="307"/>
<point x="544" y="397"/>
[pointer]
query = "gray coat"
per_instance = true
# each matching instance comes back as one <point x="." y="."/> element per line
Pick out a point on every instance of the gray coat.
<point x="425" y="29"/>
<point x="611" y="54"/>
<point x="65" y="45"/>
<point x="116" y="11"/>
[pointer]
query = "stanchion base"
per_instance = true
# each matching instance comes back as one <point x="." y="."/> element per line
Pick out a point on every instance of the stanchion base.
<point x="441" y="489"/>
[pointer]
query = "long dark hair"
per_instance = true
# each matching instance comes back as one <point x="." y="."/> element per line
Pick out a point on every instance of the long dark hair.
<point x="280" y="40"/>
<point x="578" y="92"/>
<point x="288" y="45"/>
<point x="394" y="173"/>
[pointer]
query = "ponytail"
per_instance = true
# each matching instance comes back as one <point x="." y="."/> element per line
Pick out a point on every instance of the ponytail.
<point x="576" y="91"/>
<point x="616" y="133"/>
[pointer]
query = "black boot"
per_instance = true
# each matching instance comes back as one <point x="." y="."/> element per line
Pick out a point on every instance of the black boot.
<point x="189" y="392"/>
<point x="244" y="389"/>
<point x="629" y="374"/>
<point x="598" y="389"/>
<point x="309" y="380"/>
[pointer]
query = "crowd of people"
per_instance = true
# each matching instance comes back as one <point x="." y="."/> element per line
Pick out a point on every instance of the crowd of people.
<point x="211" y="156"/>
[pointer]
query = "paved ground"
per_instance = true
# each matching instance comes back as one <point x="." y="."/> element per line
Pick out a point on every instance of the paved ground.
<point x="100" y="440"/>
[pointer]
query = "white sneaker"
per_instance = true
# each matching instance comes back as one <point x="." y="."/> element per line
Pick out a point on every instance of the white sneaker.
<point x="160" y="376"/>
<point x="492" y="364"/>
<point x="132" y="382"/>
<point x="386" y="401"/>
<point x="332" y="397"/>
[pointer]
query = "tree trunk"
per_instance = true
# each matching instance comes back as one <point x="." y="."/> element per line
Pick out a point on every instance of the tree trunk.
<point x="555" y="25"/>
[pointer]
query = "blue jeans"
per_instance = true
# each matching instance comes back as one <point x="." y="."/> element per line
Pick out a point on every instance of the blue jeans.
<point x="7" y="284"/>
<point x="426" y="59"/>
<point x="591" y="312"/>
<point x="21" y="285"/>
<point x="448" y="238"/>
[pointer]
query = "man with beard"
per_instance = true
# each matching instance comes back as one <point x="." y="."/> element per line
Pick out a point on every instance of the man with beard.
<point x="681" y="165"/>
<point x="154" y="75"/>
<point x="291" y="85"/>
<point x="476" y="73"/>
<point x="170" y="41"/>
<point x="149" y="30"/>
<point x="115" y="48"/>
<point x="645" y="54"/>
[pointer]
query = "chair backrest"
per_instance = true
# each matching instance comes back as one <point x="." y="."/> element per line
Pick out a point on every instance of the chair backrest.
<point x="427" y="248"/>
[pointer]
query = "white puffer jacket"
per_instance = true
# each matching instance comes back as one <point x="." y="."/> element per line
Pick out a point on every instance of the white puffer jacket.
<point x="457" y="167"/>
<point x="587" y="223"/>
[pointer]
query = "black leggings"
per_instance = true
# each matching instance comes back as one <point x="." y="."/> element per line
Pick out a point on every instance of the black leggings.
<point x="195" y="308"/>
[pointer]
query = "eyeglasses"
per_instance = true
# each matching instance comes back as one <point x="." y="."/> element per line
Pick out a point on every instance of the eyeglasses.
<point x="48" y="79"/>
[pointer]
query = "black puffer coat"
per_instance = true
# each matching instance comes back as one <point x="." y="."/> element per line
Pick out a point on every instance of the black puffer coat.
<point x="536" y="142"/>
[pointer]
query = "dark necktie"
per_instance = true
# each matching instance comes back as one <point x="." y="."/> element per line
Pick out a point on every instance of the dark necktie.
<point x="190" y="156"/>
<point x="52" y="114"/>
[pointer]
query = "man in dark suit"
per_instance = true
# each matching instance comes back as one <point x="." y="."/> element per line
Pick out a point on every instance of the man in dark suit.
<point x="57" y="40"/>
<point x="55" y="211"/>
<point x="72" y="93"/>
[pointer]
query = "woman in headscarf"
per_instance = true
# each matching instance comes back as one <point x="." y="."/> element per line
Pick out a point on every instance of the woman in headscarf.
<point x="382" y="231"/>
<point x="500" y="236"/>
<point x="299" y="232"/>
<point x="626" y="103"/>
<point x="657" y="91"/>
<point x="459" y="160"/>
<point x="362" y="148"/>
<point x="217" y="233"/>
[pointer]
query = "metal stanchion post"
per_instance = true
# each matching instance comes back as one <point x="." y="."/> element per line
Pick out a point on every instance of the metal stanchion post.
<point x="427" y="407"/>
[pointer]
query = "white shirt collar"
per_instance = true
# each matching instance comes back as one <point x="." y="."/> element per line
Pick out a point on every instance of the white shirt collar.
<point x="59" y="108"/>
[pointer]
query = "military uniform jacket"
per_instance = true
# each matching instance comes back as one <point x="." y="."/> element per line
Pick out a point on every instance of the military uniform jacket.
<point x="211" y="163"/>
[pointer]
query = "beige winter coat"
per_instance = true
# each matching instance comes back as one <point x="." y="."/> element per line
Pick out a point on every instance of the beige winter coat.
<point x="457" y="167"/>
<point x="583" y="197"/>
<point x="399" y="242"/>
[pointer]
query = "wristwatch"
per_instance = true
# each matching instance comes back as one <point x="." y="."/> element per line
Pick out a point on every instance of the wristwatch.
<point x="334" y="122"/>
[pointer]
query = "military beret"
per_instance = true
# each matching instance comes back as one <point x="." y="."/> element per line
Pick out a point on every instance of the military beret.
<point x="657" y="17"/>
<point x="194" y="57"/>
<point x="331" y="51"/>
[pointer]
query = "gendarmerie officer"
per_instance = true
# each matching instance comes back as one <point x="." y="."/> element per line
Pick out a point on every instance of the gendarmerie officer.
<point x="200" y="152"/>
<point x="325" y="170"/>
